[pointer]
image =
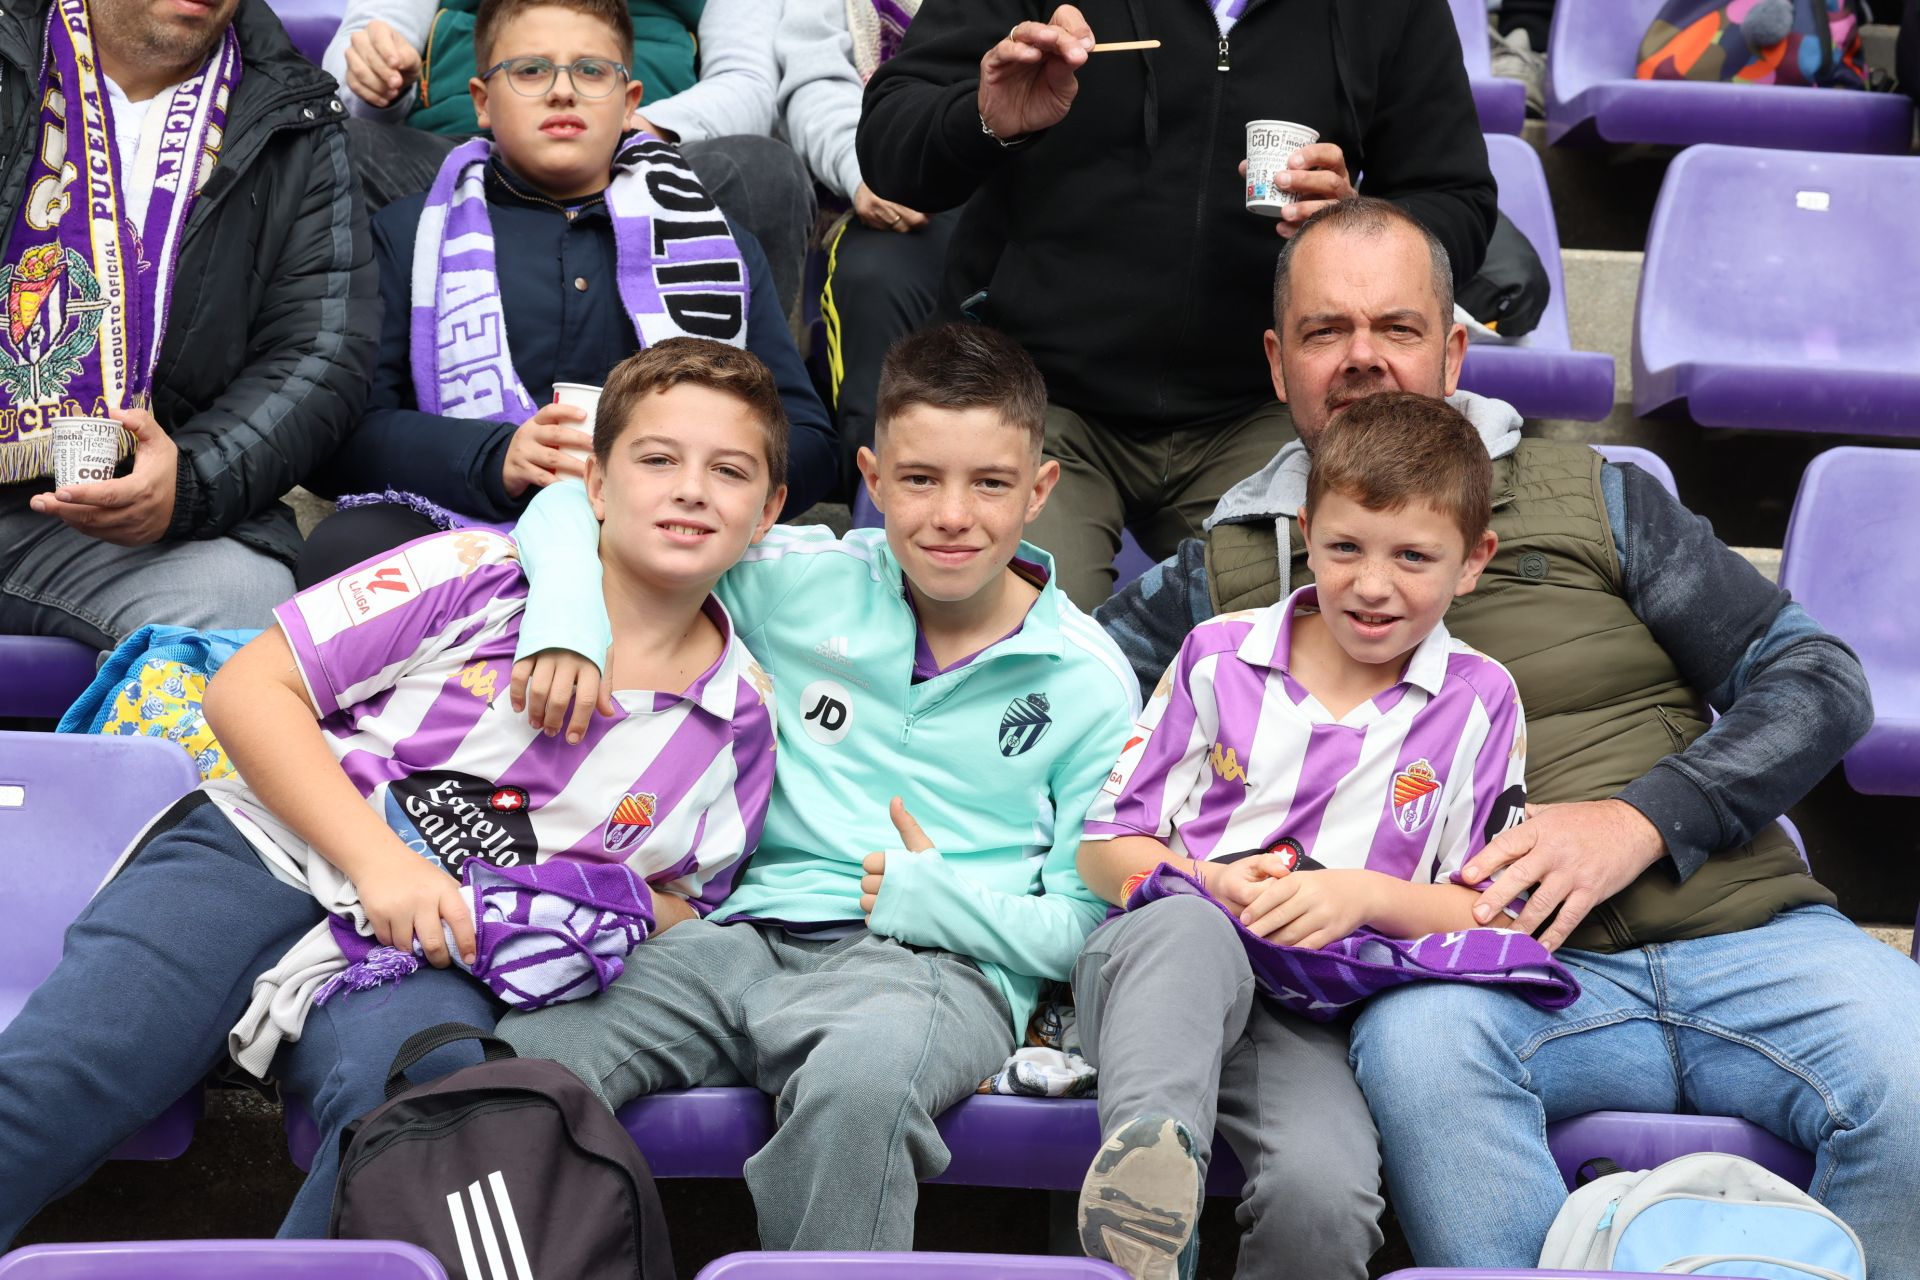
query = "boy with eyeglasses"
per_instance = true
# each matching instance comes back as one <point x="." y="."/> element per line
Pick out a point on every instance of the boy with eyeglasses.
<point x="546" y="254"/>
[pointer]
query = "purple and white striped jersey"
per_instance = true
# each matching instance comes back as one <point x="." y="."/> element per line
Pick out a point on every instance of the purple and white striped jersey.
<point x="1233" y="754"/>
<point x="408" y="658"/>
<point x="1226" y="13"/>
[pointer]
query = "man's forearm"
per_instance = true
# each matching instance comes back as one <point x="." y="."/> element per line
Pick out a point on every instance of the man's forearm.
<point x="1793" y="698"/>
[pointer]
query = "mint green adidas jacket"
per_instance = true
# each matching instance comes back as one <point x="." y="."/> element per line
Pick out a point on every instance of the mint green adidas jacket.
<point x="998" y="760"/>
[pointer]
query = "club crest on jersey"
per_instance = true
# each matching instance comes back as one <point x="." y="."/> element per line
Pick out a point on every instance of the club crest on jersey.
<point x="1024" y="723"/>
<point x="1416" y="795"/>
<point x="630" y="821"/>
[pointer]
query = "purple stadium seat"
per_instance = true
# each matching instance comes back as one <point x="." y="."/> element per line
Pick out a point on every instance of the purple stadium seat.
<point x="311" y="23"/>
<point x="69" y="805"/>
<point x="1541" y="375"/>
<point x="1634" y="1140"/>
<point x="40" y="676"/>
<point x="1488" y="1273"/>
<point x="1848" y="559"/>
<point x="907" y="1266"/>
<point x="1034" y="1143"/>
<point x="1502" y="103"/>
<point x="223" y="1260"/>
<point x="1751" y="299"/>
<point x="1592" y="93"/>
<point x="1646" y="459"/>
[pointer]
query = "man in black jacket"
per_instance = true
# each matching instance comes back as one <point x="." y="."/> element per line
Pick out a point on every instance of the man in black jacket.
<point x="1106" y="225"/>
<point x="269" y="323"/>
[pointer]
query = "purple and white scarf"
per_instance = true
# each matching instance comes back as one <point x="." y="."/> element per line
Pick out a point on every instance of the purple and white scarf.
<point x="877" y="27"/>
<point x="560" y="930"/>
<point x="1319" y="984"/>
<point x="86" y="293"/>
<point x="680" y="275"/>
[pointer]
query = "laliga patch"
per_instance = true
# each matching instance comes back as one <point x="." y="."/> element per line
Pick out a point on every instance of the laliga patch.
<point x="1416" y="795"/>
<point x="371" y="590"/>
<point x="630" y="821"/>
<point x="1129" y="760"/>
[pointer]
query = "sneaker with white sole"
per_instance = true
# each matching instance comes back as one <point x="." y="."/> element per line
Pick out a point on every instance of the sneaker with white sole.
<point x="1140" y="1203"/>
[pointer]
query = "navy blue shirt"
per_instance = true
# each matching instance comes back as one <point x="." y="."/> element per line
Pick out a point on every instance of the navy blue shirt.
<point x="557" y="331"/>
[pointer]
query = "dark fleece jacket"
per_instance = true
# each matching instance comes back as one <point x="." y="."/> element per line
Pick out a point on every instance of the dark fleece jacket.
<point x="1116" y="246"/>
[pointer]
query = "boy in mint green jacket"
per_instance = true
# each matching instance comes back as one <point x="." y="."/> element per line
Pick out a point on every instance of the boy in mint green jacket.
<point x="871" y="965"/>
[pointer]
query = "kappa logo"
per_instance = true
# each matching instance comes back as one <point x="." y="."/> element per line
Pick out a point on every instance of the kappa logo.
<point x="1415" y="796"/>
<point x="1226" y="764"/>
<point x="826" y="711"/>
<point x="478" y="1227"/>
<point x="1023" y="724"/>
<point x="630" y="821"/>
<point x="368" y="593"/>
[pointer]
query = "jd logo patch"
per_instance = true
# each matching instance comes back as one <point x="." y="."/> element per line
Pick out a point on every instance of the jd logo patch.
<point x="826" y="711"/>
<point x="450" y="817"/>
<point x="1023" y="724"/>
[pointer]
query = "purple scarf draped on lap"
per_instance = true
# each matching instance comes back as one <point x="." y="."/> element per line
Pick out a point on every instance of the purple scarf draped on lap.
<point x="86" y="293"/>
<point x="1320" y="984"/>
<point x="557" y="931"/>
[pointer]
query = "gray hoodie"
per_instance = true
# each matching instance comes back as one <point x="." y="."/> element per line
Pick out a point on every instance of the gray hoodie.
<point x="1279" y="489"/>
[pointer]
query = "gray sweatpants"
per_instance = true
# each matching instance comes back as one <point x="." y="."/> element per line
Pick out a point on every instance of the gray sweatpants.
<point x="862" y="1042"/>
<point x="1170" y="1016"/>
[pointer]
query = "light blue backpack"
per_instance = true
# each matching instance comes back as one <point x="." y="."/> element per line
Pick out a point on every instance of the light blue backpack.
<point x="1703" y="1215"/>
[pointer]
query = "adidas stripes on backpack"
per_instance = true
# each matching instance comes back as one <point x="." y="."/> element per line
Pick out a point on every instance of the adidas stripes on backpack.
<point x="1706" y="1214"/>
<point x="507" y="1170"/>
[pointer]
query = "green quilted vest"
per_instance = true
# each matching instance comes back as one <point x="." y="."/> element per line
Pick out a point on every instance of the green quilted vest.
<point x="664" y="56"/>
<point x="1604" y="701"/>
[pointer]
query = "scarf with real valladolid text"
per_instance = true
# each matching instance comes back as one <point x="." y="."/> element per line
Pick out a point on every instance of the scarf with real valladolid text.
<point x="86" y="293"/>
<point x="680" y="275"/>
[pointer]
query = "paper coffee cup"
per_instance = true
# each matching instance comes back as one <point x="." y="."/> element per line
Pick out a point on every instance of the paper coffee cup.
<point x="581" y="396"/>
<point x="1269" y="144"/>
<point x="86" y="450"/>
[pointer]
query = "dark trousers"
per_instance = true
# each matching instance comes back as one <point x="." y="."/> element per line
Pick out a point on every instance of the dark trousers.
<point x="881" y="286"/>
<point x="154" y="973"/>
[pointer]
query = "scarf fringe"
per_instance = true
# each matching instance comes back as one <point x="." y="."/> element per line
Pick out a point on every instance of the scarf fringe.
<point x="27" y="459"/>
<point x="382" y="965"/>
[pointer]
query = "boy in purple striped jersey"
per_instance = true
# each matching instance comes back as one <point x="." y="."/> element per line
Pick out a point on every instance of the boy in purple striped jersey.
<point x="379" y="759"/>
<point x="1347" y="726"/>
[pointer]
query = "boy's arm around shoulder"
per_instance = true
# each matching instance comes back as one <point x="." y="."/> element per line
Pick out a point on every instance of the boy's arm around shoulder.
<point x="924" y="902"/>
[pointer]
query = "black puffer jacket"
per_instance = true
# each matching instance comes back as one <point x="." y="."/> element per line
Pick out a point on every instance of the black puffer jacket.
<point x="1116" y="247"/>
<point x="276" y="309"/>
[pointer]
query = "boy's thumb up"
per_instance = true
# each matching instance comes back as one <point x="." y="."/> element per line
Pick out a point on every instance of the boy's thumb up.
<point x="912" y="838"/>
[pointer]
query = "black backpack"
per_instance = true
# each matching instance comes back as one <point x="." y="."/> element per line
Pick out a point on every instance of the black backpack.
<point x="503" y="1171"/>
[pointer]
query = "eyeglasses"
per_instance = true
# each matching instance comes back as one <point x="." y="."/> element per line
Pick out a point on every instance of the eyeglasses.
<point x="535" y="77"/>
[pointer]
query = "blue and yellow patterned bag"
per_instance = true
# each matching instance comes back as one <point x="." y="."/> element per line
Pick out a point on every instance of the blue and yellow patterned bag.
<point x="152" y="685"/>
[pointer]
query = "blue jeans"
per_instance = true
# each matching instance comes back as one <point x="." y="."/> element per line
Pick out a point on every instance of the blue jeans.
<point x="1805" y="1026"/>
<point x="154" y="973"/>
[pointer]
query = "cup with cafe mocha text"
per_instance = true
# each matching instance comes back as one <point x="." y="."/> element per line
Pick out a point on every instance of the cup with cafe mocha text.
<point x="1269" y="145"/>
<point x="86" y="450"/>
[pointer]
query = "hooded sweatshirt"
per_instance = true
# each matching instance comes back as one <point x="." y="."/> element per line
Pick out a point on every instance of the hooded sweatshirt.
<point x="1116" y="246"/>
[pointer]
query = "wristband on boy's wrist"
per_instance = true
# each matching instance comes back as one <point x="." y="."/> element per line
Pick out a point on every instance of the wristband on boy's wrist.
<point x="1131" y="883"/>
